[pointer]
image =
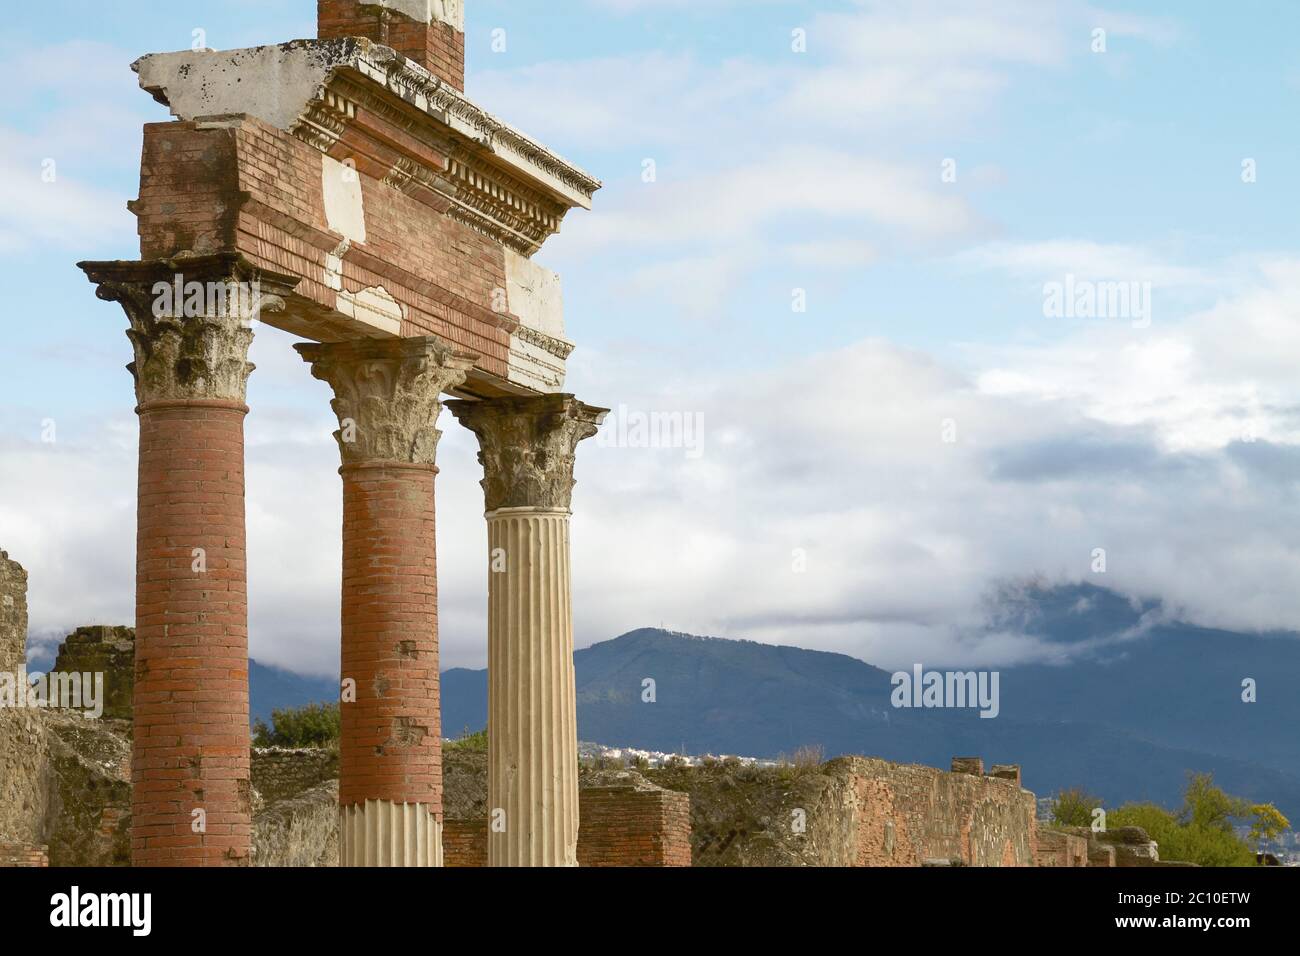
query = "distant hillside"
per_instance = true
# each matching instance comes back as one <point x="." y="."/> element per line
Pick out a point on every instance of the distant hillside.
<point x="1139" y="709"/>
<point x="273" y="688"/>
<point x="1140" y="703"/>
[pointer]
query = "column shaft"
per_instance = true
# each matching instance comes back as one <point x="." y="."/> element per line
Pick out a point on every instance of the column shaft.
<point x="387" y="398"/>
<point x="390" y="771"/>
<point x="191" y="324"/>
<point x="527" y="447"/>
<point x="190" y="748"/>
<point x="533" y="744"/>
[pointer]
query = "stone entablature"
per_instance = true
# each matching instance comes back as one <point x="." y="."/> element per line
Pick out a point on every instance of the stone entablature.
<point x="281" y="83"/>
<point x="427" y="212"/>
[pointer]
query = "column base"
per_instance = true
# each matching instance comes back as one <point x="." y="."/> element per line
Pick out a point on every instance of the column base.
<point x="383" y="833"/>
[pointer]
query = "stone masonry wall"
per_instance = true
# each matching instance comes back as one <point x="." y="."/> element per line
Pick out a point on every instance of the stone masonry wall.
<point x="852" y="811"/>
<point x="24" y="750"/>
<point x="103" y="650"/>
<point x="13" y="614"/>
<point x="280" y="773"/>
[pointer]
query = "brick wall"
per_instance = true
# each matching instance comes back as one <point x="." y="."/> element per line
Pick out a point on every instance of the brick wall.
<point x="464" y="843"/>
<point x="17" y="854"/>
<point x="631" y="826"/>
<point x="907" y="814"/>
<point x="242" y="185"/>
<point x="620" y="824"/>
<point x="438" y="47"/>
<point x="1059" y="848"/>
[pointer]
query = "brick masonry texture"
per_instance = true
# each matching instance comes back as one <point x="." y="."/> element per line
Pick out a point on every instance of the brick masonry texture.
<point x="391" y="743"/>
<point x="630" y="823"/>
<point x="630" y="826"/>
<point x="242" y="185"/>
<point x="438" y="47"/>
<point x="191" y="733"/>
<point x="15" y="854"/>
<point x="906" y="815"/>
<point x="464" y="843"/>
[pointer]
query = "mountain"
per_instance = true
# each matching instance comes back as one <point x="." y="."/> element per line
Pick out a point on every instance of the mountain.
<point x="1136" y="704"/>
<point x="273" y="688"/>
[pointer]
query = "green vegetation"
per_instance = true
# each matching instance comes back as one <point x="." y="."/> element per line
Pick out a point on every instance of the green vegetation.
<point x="476" y="742"/>
<point x="805" y="760"/>
<point x="1074" y="807"/>
<point x="1201" y="831"/>
<point x="313" y="725"/>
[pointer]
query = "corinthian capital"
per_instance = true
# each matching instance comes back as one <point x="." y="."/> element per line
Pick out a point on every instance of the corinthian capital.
<point x="527" y="446"/>
<point x="387" y="394"/>
<point x="191" y="321"/>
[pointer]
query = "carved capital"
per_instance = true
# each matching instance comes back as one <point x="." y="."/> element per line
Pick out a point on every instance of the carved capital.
<point x="387" y="394"/>
<point x="527" y="446"/>
<point x="191" y="321"/>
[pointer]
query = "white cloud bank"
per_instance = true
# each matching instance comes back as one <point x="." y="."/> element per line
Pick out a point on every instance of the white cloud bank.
<point x="836" y="462"/>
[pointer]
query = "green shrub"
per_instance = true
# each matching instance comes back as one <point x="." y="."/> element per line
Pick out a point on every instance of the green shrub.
<point x="313" y="725"/>
<point x="476" y="741"/>
<point x="1203" y="830"/>
<point x="1073" y="807"/>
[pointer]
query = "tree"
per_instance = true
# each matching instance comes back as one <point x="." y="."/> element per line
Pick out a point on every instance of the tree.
<point x="1073" y="807"/>
<point x="1268" y="824"/>
<point x="1203" y="830"/>
<point x="313" y="725"/>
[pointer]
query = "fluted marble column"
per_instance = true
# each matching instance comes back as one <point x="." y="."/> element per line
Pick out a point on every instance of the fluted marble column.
<point x="191" y="327"/>
<point x="527" y="450"/>
<point x="387" y="398"/>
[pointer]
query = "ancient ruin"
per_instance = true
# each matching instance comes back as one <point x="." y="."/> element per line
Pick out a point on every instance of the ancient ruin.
<point x="67" y="798"/>
<point x="344" y="189"/>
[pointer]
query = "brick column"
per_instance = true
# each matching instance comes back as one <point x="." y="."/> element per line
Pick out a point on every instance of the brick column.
<point x="430" y="32"/>
<point x="527" y="448"/>
<point x="390" y="751"/>
<point x="191" y="326"/>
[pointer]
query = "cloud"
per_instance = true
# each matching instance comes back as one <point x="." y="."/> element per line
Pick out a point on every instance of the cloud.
<point x="1200" y="381"/>
<point x="823" y="507"/>
<point x="57" y="165"/>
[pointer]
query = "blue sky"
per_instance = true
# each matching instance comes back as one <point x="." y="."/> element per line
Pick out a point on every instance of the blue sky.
<point x="776" y="171"/>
